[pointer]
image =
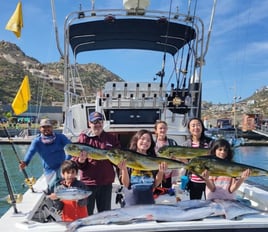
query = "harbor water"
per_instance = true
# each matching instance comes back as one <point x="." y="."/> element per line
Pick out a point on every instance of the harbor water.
<point x="255" y="156"/>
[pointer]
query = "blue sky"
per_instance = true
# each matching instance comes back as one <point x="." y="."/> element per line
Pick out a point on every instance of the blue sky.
<point x="236" y="63"/>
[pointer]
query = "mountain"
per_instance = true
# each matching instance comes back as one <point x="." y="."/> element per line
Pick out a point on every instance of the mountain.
<point x="46" y="80"/>
<point x="256" y="104"/>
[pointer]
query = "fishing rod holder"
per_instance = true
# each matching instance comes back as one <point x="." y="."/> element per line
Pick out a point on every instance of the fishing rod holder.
<point x="30" y="182"/>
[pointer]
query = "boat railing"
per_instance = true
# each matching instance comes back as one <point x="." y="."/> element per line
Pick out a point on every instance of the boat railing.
<point x="85" y="15"/>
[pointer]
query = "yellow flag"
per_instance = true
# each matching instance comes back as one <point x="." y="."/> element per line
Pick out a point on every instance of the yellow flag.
<point x="15" y="23"/>
<point x="20" y="102"/>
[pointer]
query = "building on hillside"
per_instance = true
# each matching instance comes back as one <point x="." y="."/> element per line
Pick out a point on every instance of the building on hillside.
<point x="250" y="121"/>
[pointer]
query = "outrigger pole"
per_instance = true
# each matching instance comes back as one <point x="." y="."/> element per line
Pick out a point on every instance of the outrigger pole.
<point x="28" y="181"/>
<point x="12" y="197"/>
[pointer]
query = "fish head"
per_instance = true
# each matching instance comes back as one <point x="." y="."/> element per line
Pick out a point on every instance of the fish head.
<point x="166" y="152"/>
<point x="116" y="156"/>
<point x="72" y="149"/>
<point x="198" y="165"/>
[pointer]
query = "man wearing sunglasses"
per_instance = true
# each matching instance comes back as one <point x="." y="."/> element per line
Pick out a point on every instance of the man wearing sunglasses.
<point x="98" y="175"/>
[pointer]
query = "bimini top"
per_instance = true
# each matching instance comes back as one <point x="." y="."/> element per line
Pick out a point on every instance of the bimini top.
<point x="133" y="33"/>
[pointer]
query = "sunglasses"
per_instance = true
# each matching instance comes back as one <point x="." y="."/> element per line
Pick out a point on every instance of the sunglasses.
<point x="46" y="126"/>
<point x="96" y="121"/>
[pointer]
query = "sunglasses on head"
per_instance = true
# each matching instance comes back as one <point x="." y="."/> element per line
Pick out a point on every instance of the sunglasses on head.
<point x="96" y="121"/>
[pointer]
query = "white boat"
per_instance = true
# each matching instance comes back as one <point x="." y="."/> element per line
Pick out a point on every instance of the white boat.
<point x="229" y="134"/>
<point x="129" y="106"/>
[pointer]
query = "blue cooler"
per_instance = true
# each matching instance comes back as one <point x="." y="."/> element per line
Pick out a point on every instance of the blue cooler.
<point x="184" y="182"/>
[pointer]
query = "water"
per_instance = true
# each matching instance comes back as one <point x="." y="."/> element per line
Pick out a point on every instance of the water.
<point x="16" y="177"/>
<point x="255" y="156"/>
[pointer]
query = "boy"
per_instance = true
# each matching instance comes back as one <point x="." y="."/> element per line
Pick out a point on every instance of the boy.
<point x="72" y="209"/>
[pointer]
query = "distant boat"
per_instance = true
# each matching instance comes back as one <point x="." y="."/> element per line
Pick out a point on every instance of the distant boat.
<point x="230" y="134"/>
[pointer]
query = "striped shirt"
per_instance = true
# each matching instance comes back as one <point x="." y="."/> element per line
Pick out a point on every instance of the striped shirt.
<point x="195" y="178"/>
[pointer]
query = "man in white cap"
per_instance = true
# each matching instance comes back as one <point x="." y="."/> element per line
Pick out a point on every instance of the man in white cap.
<point x="50" y="147"/>
<point x="98" y="175"/>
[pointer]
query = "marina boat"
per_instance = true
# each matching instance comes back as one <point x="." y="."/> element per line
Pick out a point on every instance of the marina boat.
<point x="129" y="106"/>
<point x="229" y="134"/>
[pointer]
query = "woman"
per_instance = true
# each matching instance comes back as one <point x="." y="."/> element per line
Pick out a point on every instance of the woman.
<point x="171" y="175"/>
<point x="223" y="187"/>
<point x="138" y="185"/>
<point x="196" y="185"/>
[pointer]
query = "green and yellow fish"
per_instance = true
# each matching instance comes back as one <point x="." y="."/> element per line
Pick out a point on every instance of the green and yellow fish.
<point x="74" y="149"/>
<point x="134" y="160"/>
<point x="141" y="162"/>
<point x="220" y="167"/>
<point x="179" y="152"/>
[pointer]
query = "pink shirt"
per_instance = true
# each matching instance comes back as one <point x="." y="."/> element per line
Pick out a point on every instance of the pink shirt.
<point x="222" y="184"/>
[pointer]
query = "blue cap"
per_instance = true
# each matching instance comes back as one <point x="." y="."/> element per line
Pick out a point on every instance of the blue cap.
<point x="95" y="116"/>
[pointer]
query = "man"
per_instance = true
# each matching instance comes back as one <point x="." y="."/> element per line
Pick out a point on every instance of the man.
<point x="98" y="175"/>
<point x="50" y="147"/>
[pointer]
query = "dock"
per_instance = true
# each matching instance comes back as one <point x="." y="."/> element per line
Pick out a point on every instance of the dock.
<point x="262" y="130"/>
<point x="17" y="140"/>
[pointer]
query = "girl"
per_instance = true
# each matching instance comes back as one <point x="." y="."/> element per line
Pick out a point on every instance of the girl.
<point x="171" y="176"/>
<point x="196" y="185"/>
<point x="222" y="187"/>
<point x="138" y="185"/>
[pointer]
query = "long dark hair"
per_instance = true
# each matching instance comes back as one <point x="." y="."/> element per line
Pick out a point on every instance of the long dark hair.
<point x="222" y="143"/>
<point x="204" y="140"/>
<point x="137" y="136"/>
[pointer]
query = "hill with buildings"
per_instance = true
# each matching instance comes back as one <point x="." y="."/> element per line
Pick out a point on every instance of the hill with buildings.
<point x="46" y="80"/>
<point x="47" y="86"/>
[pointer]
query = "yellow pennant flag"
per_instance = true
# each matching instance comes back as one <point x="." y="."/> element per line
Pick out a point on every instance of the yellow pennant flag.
<point x="20" y="102"/>
<point x="15" y="23"/>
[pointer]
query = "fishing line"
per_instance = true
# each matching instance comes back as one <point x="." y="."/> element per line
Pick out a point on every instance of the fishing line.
<point x="28" y="181"/>
<point x="9" y="187"/>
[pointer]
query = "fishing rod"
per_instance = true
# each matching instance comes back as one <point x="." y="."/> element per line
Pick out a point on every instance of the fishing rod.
<point x="11" y="194"/>
<point x="28" y="181"/>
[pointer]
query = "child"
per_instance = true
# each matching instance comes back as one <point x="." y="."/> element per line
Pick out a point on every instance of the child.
<point x="197" y="139"/>
<point x="72" y="209"/>
<point x="171" y="175"/>
<point x="222" y="187"/>
<point x="138" y="185"/>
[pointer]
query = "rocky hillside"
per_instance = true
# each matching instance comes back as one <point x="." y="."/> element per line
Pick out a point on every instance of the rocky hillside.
<point x="256" y="104"/>
<point x="46" y="80"/>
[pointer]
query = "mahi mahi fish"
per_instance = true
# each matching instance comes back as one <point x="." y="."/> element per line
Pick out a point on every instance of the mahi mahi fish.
<point x="74" y="149"/>
<point x="179" y="152"/>
<point x="139" y="161"/>
<point x="134" y="160"/>
<point x="220" y="167"/>
<point x="72" y="193"/>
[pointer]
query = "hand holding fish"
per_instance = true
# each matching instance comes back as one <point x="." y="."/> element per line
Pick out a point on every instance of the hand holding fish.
<point x="53" y="196"/>
<point x="161" y="171"/>
<point x="82" y="157"/>
<point x="237" y="182"/>
<point x="122" y="165"/>
<point x="245" y="174"/>
<point x="162" y="167"/>
<point x="205" y="174"/>
<point x="124" y="176"/>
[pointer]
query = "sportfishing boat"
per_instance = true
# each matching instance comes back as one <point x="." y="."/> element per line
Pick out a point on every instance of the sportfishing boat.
<point x="129" y="106"/>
